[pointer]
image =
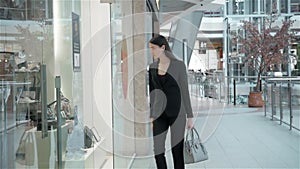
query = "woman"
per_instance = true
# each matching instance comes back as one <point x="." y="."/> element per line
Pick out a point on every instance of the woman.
<point x="170" y="105"/>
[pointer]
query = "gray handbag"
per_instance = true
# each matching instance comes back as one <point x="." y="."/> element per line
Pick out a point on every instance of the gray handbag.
<point x="194" y="150"/>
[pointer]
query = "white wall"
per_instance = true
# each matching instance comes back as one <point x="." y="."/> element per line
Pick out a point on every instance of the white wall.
<point x="96" y="69"/>
<point x="206" y="61"/>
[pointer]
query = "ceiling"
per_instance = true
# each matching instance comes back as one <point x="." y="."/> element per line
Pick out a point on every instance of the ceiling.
<point x="171" y="9"/>
<point x="181" y="5"/>
<point x="168" y="6"/>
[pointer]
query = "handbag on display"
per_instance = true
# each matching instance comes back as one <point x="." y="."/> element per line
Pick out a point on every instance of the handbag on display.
<point x="89" y="135"/>
<point x="194" y="150"/>
<point x="25" y="152"/>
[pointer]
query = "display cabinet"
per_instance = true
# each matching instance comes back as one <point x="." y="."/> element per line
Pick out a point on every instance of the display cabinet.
<point x="7" y="104"/>
<point x="7" y="86"/>
<point x="20" y="80"/>
<point x="29" y="94"/>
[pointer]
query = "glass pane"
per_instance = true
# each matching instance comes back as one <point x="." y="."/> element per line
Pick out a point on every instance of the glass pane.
<point x="128" y="130"/>
<point x="238" y="6"/>
<point x="28" y="46"/>
<point x="268" y="4"/>
<point x="283" y="6"/>
<point x="26" y="9"/>
<point x="122" y="49"/>
<point x="295" y="6"/>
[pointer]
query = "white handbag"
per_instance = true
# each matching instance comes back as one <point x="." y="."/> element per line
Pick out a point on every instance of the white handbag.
<point x="194" y="150"/>
<point x="25" y="153"/>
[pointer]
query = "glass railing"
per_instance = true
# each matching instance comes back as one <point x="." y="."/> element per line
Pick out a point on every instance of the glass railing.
<point x="282" y="100"/>
<point x="230" y="89"/>
<point x="281" y="95"/>
<point x="207" y="85"/>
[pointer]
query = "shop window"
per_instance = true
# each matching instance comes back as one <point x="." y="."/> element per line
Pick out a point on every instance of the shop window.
<point x="283" y="6"/>
<point x="268" y="6"/>
<point x="25" y="9"/>
<point x="238" y="7"/>
<point x="295" y="6"/>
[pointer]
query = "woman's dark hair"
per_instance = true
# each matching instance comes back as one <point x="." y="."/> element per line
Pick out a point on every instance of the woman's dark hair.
<point x="160" y="40"/>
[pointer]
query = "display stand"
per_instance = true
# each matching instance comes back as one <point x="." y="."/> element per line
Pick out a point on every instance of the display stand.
<point x="91" y="158"/>
<point x="45" y="145"/>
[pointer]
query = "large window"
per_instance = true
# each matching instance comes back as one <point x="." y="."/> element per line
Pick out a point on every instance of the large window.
<point x="295" y="6"/>
<point x="283" y="6"/>
<point x="25" y="9"/>
<point x="30" y="66"/>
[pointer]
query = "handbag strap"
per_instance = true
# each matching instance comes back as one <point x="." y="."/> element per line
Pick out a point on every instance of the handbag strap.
<point x="24" y="136"/>
<point x="191" y="132"/>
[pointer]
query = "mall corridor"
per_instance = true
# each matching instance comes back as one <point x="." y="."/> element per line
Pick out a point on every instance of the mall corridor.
<point x="76" y="75"/>
<point x="235" y="137"/>
<point x="239" y="137"/>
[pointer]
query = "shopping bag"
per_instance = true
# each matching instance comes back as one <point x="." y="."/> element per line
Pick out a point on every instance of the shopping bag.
<point x="194" y="150"/>
<point x="25" y="151"/>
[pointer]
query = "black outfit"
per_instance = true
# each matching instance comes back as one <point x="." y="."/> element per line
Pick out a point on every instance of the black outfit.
<point x="169" y="106"/>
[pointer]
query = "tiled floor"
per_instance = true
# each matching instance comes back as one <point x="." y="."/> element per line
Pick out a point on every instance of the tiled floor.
<point x="240" y="137"/>
<point x="236" y="137"/>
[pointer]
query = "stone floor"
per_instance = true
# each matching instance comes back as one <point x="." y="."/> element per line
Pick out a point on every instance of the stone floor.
<point x="239" y="137"/>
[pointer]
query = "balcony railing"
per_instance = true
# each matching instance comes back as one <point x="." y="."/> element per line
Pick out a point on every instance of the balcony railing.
<point x="281" y="95"/>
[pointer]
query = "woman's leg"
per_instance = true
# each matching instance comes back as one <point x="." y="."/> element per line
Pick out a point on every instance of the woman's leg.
<point x="160" y="129"/>
<point x="177" y="141"/>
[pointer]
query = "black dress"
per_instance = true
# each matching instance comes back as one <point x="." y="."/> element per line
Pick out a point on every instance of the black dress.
<point x="169" y="92"/>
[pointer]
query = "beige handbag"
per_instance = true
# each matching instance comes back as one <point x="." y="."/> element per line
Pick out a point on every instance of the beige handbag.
<point x="25" y="151"/>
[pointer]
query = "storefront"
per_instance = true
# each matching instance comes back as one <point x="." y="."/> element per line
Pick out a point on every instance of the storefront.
<point x="47" y="61"/>
<point x="88" y="58"/>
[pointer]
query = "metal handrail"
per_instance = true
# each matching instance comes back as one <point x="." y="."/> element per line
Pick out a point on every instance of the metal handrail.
<point x="282" y="80"/>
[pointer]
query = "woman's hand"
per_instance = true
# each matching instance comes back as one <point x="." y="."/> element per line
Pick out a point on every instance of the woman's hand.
<point x="190" y="123"/>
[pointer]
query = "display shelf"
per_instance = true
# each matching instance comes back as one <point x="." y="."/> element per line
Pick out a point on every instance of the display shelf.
<point x="44" y="146"/>
<point x="93" y="157"/>
<point x="29" y="99"/>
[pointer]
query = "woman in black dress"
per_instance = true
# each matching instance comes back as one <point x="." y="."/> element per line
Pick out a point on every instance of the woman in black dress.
<point x="170" y="105"/>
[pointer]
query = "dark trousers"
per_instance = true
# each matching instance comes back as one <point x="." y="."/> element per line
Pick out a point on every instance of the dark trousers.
<point x="160" y="130"/>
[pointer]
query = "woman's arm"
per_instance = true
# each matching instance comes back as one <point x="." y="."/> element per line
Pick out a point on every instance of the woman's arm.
<point x="185" y="91"/>
<point x="190" y="123"/>
<point x="151" y="88"/>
